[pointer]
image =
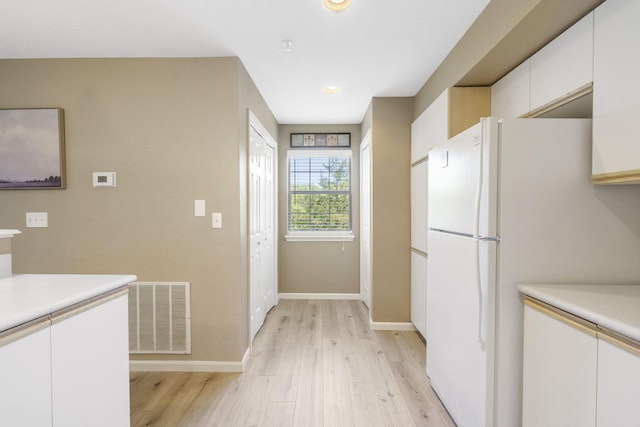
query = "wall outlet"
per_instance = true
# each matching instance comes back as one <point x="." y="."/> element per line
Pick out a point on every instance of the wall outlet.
<point x="37" y="219"/>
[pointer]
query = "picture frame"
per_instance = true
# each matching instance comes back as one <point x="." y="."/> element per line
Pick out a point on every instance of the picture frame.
<point x="321" y="140"/>
<point x="32" y="149"/>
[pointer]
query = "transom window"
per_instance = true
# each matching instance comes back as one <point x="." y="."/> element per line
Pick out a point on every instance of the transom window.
<point x="319" y="192"/>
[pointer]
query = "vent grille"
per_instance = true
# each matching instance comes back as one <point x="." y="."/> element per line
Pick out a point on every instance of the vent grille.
<point x="159" y="318"/>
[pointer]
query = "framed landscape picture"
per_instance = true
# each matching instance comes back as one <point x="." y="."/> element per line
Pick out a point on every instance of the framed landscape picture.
<point x="32" y="148"/>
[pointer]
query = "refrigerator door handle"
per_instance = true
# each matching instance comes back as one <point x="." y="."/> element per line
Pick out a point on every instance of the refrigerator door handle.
<point x="481" y="328"/>
<point x="476" y="218"/>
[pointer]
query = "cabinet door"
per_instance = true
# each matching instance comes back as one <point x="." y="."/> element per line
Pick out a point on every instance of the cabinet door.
<point x="510" y="94"/>
<point x="430" y="129"/>
<point x="419" y="176"/>
<point x="564" y="66"/>
<point x="25" y="380"/>
<point x="618" y="384"/>
<point x="419" y="292"/>
<point x="616" y="66"/>
<point x="559" y="371"/>
<point x="90" y="367"/>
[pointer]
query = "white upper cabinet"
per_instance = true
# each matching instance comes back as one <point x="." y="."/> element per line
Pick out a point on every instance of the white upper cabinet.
<point x="616" y="95"/>
<point x="430" y="129"/>
<point x="455" y="110"/>
<point x="558" y="75"/>
<point x="563" y="69"/>
<point x="510" y="94"/>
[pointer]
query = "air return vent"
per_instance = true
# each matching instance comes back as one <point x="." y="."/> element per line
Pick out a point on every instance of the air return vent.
<point x="159" y="318"/>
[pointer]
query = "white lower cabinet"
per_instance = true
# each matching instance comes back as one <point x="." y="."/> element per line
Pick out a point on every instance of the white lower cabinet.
<point x="90" y="365"/>
<point x="559" y="375"/>
<point x="25" y="379"/>
<point x="71" y="369"/>
<point x="618" y="383"/>
<point x="575" y="373"/>
<point x="419" y="292"/>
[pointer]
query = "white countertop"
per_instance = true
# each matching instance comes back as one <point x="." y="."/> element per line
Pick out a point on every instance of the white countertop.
<point x="25" y="297"/>
<point x="615" y="307"/>
<point x="6" y="234"/>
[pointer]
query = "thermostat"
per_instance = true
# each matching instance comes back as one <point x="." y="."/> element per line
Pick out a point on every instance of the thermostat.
<point x="104" y="179"/>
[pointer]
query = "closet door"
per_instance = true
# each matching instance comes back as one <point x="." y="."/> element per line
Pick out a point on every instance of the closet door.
<point x="261" y="228"/>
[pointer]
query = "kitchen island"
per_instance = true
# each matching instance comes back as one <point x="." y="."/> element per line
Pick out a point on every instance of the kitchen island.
<point x="581" y="362"/>
<point x="64" y="357"/>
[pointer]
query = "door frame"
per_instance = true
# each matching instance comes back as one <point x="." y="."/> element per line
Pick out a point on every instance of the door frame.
<point x="254" y="123"/>
<point x="366" y="143"/>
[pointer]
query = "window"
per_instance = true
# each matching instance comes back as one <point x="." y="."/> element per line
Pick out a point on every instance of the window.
<point x="319" y="195"/>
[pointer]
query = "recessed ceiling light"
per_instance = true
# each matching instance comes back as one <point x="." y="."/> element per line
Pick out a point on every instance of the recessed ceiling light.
<point x="337" y="5"/>
<point x="287" y="45"/>
<point x="331" y="89"/>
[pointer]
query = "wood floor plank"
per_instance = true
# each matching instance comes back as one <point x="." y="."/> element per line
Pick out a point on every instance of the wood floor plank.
<point x="351" y="345"/>
<point x="361" y="318"/>
<point x="286" y="379"/>
<point x="330" y="328"/>
<point x="279" y="414"/>
<point x="253" y="406"/>
<point x="310" y="331"/>
<point x="314" y="364"/>
<point x="203" y="406"/>
<point x="394" y="408"/>
<point x="388" y="342"/>
<point x="267" y="358"/>
<point x="423" y="403"/>
<point x="365" y="405"/>
<point x="310" y="400"/>
<point x="337" y="403"/>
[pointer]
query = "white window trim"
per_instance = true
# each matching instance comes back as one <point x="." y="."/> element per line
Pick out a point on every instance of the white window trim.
<point x="320" y="236"/>
<point x="320" y="153"/>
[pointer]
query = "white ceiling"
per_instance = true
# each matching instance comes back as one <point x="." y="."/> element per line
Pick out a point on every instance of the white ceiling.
<point x="375" y="48"/>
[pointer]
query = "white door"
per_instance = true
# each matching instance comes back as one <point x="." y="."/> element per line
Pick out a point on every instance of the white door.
<point x="262" y="263"/>
<point x="365" y="221"/>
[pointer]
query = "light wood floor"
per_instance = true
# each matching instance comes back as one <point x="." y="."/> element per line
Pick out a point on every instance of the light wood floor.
<point x="313" y="363"/>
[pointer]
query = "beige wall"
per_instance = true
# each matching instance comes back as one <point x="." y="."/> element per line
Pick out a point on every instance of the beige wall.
<point x="389" y="120"/>
<point x="174" y="130"/>
<point x="318" y="267"/>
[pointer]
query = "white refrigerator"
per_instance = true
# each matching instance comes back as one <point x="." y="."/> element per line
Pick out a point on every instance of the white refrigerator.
<point x="511" y="201"/>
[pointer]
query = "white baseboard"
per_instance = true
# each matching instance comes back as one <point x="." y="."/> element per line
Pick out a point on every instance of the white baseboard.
<point x="185" y="366"/>
<point x="319" y="296"/>
<point x="392" y="326"/>
<point x="189" y="365"/>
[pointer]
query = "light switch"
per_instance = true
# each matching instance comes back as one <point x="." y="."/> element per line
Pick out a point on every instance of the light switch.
<point x="216" y="220"/>
<point x="199" y="207"/>
<point x="37" y="219"/>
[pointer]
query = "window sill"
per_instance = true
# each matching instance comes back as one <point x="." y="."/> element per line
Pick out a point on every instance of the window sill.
<point x="320" y="237"/>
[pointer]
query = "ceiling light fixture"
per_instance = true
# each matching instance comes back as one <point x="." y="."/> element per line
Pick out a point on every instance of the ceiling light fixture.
<point x="337" y="5"/>
<point x="331" y="90"/>
<point x="287" y="44"/>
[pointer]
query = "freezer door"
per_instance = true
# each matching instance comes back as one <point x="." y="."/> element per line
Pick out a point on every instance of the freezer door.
<point x="461" y="278"/>
<point x="453" y="182"/>
<point x="462" y="195"/>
